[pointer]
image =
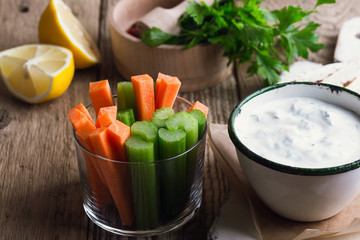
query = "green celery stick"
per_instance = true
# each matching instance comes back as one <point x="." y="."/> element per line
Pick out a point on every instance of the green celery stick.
<point x="144" y="182"/>
<point x="161" y="115"/>
<point x="148" y="132"/>
<point x="200" y="117"/>
<point x="126" y="97"/>
<point x="172" y="172"/>
<point x="126" y="116"/>
<point x="171" y="143"/>
<point x="187" y="122"/>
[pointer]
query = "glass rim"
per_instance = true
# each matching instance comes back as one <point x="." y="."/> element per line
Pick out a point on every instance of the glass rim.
<point x="141" y="163"/>
<point x="252" y="156"/>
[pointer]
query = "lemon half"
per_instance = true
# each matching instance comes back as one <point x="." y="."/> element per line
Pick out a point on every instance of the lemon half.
<point x="37" y="72"/>
<point x="59" y="26"/>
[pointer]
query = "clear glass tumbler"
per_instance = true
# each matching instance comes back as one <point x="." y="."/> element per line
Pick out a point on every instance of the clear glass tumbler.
<point x="142" y="198"/>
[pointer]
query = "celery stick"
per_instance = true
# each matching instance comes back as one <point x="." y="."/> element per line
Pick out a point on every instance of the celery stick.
<point x="172" y="172"/>
<point x="126" y="97"/>
<point x="161" y="115"/>
<point x="148" y="132"/>
<point x="187" y="122"/>
<point x="144" y="182"/>
<point x="200" y="117"/>
<point x="126" y="116"/>
<point x="171" y="143"/>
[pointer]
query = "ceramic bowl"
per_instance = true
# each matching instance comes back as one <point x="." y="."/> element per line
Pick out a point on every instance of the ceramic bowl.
<point x="200" y="67"/>
<point x="301" y="194"/>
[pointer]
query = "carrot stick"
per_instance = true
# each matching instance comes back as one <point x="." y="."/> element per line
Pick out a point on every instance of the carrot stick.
<point x="114" y="173"/>
<point x="100" y="94"/>
<point x="157" y="85"/>
<point x="100" y="143"/>
<point x="167" y="88"/>
<point x="144" y="96"/>
<point x="111" y="109"/>
<point x="83" y="128"/>
<point x="106" y="116"/>
<point x="198" y="105"/>
<point x="82" y="134"/>
<point x="77" y="118"/>
<point x="82" y="109"/>
<point x="118" y="133"/>
<point x="99" y="190"/>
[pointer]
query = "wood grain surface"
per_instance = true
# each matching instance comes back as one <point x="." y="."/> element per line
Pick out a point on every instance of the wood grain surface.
<point x="40" y="194"/>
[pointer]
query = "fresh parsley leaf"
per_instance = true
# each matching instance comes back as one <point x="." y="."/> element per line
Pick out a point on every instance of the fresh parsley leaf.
<point x="320" y="2"/>
<point x="306" y="39"/>
<point x="268" y="16"/>
<point x="269" y="40"/>
<point x="268" y="67"/>
<point x="257" y="35"/>
<point x="287" y="16"/>
<point x="196" y="11"/>
<point x="155" y="37"/>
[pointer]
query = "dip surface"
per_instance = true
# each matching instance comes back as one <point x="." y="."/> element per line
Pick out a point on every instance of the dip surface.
<point x="301" y="132"/>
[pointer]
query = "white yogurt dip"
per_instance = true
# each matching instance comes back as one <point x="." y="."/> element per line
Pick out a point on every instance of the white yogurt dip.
<point x="301" y="132"/>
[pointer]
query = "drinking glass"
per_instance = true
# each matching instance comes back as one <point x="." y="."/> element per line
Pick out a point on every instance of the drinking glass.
<point x="142" y="198"/>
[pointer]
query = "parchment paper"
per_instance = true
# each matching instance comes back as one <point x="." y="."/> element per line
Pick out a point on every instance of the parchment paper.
<point x="344" y="226"/>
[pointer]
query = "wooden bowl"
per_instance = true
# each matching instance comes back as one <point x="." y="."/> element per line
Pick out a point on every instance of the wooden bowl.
<point x="197" y="68"/>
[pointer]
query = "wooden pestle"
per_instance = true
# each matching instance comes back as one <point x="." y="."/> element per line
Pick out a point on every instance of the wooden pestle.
<point x="164" y="19"/>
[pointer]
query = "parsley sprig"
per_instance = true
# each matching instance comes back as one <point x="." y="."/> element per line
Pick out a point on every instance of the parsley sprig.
<point x="269" y="40"/>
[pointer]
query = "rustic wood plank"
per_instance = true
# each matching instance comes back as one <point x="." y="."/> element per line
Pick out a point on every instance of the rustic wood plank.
<point x="39" y="182"/>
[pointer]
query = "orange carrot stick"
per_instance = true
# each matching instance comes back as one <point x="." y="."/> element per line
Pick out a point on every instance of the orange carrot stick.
<point x="100" y="143"/>
<point x="106" y="116"/>
<point x="82" y="109"/>
<point x="111" y="109"/>
<point x="82" y="129"/>
<point x="144" y="96"/>
<point x="77" y="118"/>
<point x="100" y="94"/>
<point x="83" y="137"/>
<point x="118" y="133"/>
<point x="157" y="85"/>
<point x="167" y="88"/>
<point x="83" y="134"/>
<point x="198" y="105"/>
<point x="113" y="173"/>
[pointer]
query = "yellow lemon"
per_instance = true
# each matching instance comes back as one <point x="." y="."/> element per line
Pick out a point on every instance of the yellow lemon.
<point x="36" y="73"/>
<point x="59" y="26"/>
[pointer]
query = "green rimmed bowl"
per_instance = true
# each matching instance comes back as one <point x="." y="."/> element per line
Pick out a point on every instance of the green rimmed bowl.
<point x="297" y="193"/>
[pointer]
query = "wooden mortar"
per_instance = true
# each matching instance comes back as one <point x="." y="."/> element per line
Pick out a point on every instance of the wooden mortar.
<point x="199" y="67"/>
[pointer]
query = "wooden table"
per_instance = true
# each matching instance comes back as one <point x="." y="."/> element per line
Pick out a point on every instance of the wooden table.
<point x="40" y="194"/>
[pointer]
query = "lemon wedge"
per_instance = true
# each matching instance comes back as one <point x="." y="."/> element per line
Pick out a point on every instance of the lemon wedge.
<point x="37" y="72"/>
<point x="59" y="26"/>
